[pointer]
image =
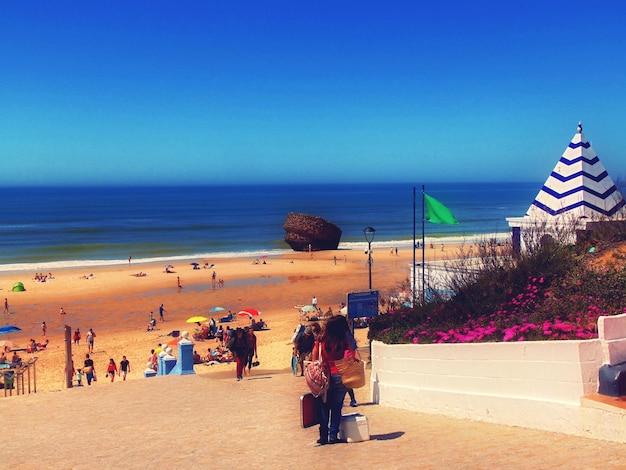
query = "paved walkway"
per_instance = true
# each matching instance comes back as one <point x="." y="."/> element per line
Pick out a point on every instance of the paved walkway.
<point x="213" y="421"/>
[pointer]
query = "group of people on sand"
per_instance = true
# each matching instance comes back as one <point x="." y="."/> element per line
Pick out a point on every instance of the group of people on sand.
<point x="216" y="355"/>
<point x="41" y="277"/>
<point x="91" y="338"/>
<point x="34" y="346"/>
<point x="213" y="356"/>
<point x="15" y="359"/>
<point x="88" y="371"/>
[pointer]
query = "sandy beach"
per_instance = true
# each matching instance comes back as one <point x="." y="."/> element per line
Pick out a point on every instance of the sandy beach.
<point x="117" y="304"/>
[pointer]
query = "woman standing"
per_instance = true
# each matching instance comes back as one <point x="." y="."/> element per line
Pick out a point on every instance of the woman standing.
<point x="112" y="369"/>
<point x="334" y="345"/>
<point x="238" y="345"/>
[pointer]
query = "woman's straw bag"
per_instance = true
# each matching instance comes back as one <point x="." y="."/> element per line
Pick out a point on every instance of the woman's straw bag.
<point x="352" y="371"/>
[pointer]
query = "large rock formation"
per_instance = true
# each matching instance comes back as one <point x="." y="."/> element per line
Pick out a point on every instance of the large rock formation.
<point x="304" y="230"/>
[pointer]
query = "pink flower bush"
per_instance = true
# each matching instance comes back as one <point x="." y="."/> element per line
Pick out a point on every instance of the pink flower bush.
<point x="551" y="306"/>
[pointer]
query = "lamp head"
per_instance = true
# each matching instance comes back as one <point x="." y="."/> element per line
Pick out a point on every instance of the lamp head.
<point x="369" y="233"/>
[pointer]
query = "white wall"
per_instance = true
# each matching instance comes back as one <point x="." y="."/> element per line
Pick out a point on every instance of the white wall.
<point x="534" y="384"/>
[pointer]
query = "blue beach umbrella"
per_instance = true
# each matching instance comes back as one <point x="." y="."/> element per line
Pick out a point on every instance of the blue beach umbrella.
<point x="217" y="309"/>
<point x="9" y="329"/>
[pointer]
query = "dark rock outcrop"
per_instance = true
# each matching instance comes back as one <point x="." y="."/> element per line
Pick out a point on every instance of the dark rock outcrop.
<point x="304" y="230"/>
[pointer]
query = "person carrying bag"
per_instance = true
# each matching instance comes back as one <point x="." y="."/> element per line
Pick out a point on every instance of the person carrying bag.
<point x="332" y="346"/>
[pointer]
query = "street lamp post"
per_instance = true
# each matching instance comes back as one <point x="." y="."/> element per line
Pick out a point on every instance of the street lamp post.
<point x="369" y="233"/>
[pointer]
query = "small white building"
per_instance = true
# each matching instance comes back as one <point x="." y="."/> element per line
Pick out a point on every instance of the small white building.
<point x="578" y="191"/>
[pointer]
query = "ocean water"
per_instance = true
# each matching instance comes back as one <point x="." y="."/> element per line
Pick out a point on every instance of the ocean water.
<point x="43" y="227"/>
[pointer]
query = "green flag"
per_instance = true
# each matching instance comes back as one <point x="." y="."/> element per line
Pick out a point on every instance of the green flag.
<point x="437" y="213"/>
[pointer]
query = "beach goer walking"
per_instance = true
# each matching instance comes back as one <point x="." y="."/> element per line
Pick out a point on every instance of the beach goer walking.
<point x="161" y="311"/>
<point x="112" y="369"/>
<point x="44" y="328"/>
<point x="129" y="259"/>
<point x="178" y="284"/>
<point x="91" y="336"/>
<point x="6" y="305"/>
<point x="252" y="352"/>
<point x="238" y="345"/>
<point x="76" y="337"/>
<point x="89" y="369"/>
<point x="62" y="313"/>
<point x="332" y="345"/>
<point x="124" y="367"/>
<point x="314" y="302"/>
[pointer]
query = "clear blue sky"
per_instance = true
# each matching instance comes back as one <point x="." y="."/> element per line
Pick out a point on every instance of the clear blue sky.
<point x="164" y="92"/>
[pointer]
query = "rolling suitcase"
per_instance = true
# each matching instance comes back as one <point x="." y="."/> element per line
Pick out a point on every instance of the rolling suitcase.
<point x="309" y="410"/>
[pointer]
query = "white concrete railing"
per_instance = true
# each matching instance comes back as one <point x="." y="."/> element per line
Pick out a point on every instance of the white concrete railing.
<point x="534" y="384"/>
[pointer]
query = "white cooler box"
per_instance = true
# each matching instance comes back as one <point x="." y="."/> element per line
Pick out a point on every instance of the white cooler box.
<point x="354" y="428"/>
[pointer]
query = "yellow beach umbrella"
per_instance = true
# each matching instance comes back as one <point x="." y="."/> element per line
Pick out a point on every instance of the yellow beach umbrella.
<point x="196" y="319"/>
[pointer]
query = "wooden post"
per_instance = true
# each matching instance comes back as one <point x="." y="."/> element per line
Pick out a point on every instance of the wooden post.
<point x="34" y="362"/>
<point x="69" y="364"/>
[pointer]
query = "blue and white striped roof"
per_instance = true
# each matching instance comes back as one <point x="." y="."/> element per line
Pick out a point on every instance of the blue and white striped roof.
<point x="578" y="187"/>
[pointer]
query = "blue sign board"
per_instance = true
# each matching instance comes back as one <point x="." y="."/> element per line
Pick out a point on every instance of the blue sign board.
<point x="363" y="304"/>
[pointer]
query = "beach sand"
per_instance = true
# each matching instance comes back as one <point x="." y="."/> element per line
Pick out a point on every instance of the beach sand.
<point x="210" y="419"/>
<point x="117" y="305"/>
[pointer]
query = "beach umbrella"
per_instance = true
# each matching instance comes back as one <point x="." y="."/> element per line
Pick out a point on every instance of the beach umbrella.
<point x="218" y="309"/>
<point x="173" y="342"/>
<point x="168" y="266"/>
<point x="245" y="314"/>
<point x="251" y="311"/>
<point x="309" y="308"/>
<point x="195" y="264"/>
<point x="9" y="329"/>
<point x="196" y="319"/>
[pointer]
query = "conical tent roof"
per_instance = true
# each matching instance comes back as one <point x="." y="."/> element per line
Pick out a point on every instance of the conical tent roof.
<point x="578" y="187"/>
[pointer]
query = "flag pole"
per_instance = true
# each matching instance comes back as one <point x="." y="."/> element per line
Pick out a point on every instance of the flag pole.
<point x="414" y="272"/>
<point x="423" y="251"/>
